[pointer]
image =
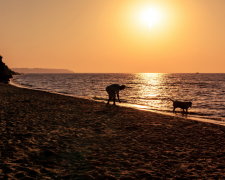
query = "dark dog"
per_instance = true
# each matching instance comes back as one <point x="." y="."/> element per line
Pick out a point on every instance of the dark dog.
<point x="182" y="105"/>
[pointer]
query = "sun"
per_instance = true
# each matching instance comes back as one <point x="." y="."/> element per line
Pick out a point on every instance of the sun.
<point x="151" y="17"/>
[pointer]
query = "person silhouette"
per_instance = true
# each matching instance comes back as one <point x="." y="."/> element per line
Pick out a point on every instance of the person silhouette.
<point x="113" y="91"/>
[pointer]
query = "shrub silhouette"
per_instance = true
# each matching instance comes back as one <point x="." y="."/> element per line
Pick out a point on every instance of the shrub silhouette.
<point x="5" y="72"/>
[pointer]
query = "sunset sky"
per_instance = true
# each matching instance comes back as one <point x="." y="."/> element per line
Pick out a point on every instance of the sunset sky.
<point x="124" y="36"/>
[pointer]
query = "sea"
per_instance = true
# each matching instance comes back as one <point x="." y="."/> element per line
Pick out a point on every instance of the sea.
<point x="145" y="91"/>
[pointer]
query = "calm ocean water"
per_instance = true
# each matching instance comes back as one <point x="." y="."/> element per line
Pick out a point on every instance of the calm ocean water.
<point x="148" y="90"/>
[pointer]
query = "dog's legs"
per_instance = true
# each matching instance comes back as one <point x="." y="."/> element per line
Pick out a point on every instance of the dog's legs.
<point x="174" y="109"/>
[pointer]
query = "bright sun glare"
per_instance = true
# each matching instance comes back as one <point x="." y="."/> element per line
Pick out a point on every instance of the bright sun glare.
<point x="151" y="17"/>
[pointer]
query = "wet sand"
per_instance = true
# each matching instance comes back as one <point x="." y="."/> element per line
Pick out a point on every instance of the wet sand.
<point x="50" y="136"/>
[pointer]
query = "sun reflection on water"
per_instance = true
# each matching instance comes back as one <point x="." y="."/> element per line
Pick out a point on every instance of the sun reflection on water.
<point x="150" y="88"/>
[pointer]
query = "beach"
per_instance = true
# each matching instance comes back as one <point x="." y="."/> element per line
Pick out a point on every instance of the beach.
<point x="51" y="136"/>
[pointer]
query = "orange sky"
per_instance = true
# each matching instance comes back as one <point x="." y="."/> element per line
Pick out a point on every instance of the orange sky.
<point x="106" y="35"/>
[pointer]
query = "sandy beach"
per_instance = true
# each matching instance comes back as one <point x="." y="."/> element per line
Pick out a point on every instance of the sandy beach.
<point x="50" y="136"/>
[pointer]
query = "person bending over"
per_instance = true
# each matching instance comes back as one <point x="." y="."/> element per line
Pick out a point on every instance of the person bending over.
<point x="113" y="91"/>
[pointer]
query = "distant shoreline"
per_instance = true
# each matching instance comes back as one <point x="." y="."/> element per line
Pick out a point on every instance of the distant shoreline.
<point x="72" y="72"/>
<point x="41" y="71"/>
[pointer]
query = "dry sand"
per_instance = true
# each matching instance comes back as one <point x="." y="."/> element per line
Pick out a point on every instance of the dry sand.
<point x="49" y="136"/>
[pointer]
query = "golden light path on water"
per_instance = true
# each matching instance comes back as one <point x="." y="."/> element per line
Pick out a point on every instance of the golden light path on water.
<point x="152" y="91"/>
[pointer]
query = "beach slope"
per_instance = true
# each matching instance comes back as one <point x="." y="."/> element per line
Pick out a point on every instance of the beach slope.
<point x="50" y="136"/>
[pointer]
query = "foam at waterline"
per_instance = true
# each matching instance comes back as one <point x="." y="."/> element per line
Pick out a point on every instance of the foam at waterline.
<point x="146" y="108"/>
